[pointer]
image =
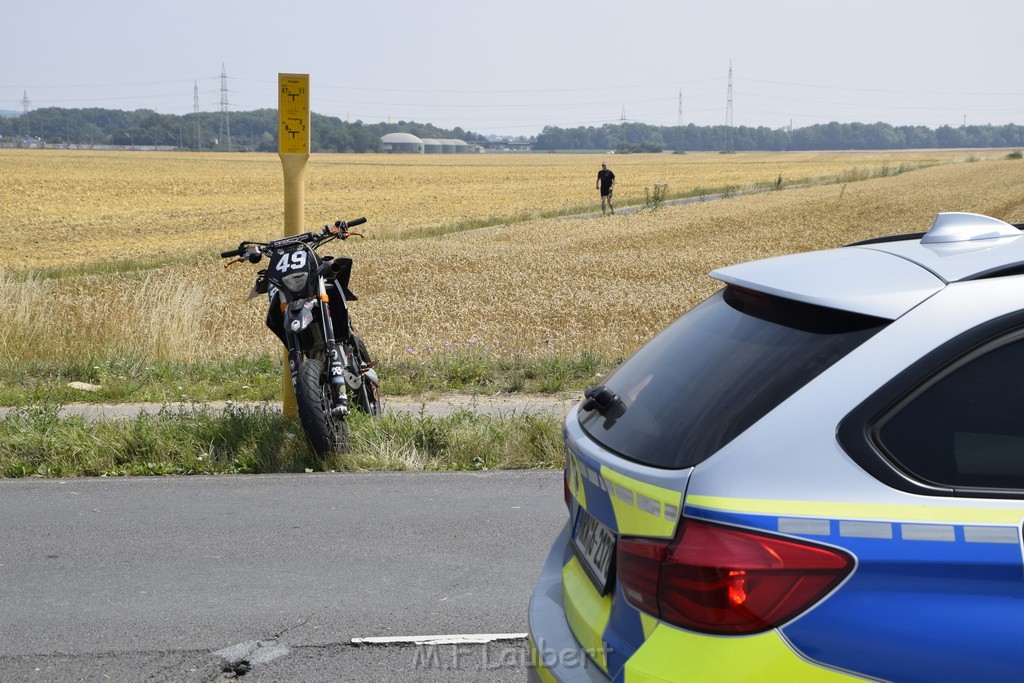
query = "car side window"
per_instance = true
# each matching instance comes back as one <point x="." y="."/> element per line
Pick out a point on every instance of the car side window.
<point x="964" y="428"/>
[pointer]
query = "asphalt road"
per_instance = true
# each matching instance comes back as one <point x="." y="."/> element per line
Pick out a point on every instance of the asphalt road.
<point x="271" y="577"/>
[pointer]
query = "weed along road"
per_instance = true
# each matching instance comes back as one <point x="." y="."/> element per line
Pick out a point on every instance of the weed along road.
<point x="274" y="577"/>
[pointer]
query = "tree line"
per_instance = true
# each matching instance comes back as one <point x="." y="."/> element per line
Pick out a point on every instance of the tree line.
<point x="642" y="137"/>
<point x="238" y="131"/>
<point x="257" y="130"/>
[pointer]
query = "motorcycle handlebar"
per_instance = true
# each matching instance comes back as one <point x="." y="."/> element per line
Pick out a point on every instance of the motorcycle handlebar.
<point x="340" y="230"/>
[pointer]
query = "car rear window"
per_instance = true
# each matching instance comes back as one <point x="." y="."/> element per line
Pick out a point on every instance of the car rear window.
<point x="717" y="370"/>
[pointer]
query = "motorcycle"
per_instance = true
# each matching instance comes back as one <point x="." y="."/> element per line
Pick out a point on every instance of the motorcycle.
<point x="308" y="311"/>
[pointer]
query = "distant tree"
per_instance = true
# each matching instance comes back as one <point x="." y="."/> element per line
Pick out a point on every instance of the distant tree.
<point x="916" y="137"/>
<point x="948" y="137"/>
<point x="258" y="130"/>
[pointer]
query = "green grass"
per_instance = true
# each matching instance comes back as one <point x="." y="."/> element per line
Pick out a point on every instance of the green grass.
<point x="261" y="378"/>
<point x="461" y="441"/>
<point x="121" y="380"/>
<point x="479" y="373"/>
<point x="39" y="442"/>
<point x="36" y="440"/>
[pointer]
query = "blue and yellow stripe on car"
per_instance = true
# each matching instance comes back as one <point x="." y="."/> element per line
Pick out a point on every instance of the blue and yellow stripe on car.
<point x="586" y="611"/>
<point x="638" y="508"/>
<point x="670" y="654"/>
<point x="916" y="566"/>
<point x="641" y="509"/>
<point x="606" y="627"/>
<point x="633" y="647"/>
<point x="859" y="511"/>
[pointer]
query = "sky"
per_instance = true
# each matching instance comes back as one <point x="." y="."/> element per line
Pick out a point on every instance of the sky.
<point x="513" y="68"/>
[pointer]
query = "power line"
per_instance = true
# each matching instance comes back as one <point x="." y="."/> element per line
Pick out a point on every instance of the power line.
<point x="226" y="121"/>
<point x="879" y="90"/>
<point x="25" y="104"/>
<point x="622" y="124"/>
<point x="481" y="110"/>
<point x="728" y="113"/>
<point x="195" y="110"/>
<point x="679" y="122"/>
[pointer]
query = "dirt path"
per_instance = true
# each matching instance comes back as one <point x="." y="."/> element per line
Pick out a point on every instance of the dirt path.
<point x="439" y="406"/>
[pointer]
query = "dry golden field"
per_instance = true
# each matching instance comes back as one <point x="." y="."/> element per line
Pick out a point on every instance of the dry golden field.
<point x="118" y="206"/>
<point x="597" y="284"/>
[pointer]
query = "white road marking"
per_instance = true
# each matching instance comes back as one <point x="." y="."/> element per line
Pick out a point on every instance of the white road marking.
<point x="457" y="639"/>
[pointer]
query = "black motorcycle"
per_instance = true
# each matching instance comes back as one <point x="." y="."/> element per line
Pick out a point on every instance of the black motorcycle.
<point x="308" y="311"/>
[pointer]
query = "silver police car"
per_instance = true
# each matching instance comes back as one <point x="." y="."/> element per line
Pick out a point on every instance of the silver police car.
<point x="815" y="474"/>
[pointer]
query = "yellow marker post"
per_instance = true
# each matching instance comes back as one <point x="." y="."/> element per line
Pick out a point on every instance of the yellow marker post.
<point x="293" y="134"/>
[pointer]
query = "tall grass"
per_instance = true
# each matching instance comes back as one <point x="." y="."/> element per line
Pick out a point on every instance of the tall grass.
<point x="39" y="442"/>
<point x="26" y="304"/>
<point x="142" y="318"/>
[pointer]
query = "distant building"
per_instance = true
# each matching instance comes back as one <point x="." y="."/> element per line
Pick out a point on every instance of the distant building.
<point x="401" y="143"/>
<point x="432" y="146"/>
<point x="406" y="143"/>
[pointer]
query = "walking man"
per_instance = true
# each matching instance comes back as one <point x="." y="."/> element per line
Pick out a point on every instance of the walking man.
<point x="605" y="183"/>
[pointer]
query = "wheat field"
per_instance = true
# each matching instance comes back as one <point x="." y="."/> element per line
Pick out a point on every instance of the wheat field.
<point x="602" y="285"/>
<point x="155" y="207"/>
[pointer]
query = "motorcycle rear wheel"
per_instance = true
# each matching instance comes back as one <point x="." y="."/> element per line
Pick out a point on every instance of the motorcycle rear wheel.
<point x="368" y="400"/>
<point x="367" y="396"/>
<point x="327" y="432"/>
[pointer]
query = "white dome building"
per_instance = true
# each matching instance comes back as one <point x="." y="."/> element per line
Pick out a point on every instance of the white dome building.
<point x="401" y="143"/>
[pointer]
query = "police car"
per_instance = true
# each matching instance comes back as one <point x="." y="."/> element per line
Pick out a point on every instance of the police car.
<point x="815" y="474"/>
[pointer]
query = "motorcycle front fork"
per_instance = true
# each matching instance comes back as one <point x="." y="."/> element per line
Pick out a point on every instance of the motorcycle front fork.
<point x="339" y="395"/>
<point x="335" y="372"/>
<point x="334" y="356"/>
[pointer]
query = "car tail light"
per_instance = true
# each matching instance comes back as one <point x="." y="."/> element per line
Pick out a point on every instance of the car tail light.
<point x="727" y="581"/>
<point x="638" y="567"/>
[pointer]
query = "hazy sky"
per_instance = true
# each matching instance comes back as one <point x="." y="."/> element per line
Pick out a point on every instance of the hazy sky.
<point x="512" y="68"/>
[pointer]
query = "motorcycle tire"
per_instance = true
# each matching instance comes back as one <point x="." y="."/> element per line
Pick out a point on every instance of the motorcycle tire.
<point x="327" y="432"/>
<point x="368" y="400"/>
<point x="367" y="396"/>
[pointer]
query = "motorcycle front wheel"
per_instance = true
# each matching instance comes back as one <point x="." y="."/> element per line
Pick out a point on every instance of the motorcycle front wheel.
<point x="327" y="432"/>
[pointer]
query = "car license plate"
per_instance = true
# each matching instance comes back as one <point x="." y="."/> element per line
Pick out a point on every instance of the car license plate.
<point x="594" y="544"/>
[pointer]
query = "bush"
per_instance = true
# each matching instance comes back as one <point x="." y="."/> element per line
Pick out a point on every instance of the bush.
<point x="653" y="199"/>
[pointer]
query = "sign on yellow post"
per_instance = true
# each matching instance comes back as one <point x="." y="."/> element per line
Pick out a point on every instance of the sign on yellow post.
<point x="293" y="148"/>
<point x="293" y="114"/>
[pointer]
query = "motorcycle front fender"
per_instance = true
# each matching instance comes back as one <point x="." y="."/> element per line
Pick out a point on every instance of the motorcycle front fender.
<point x="299" y="315"/>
